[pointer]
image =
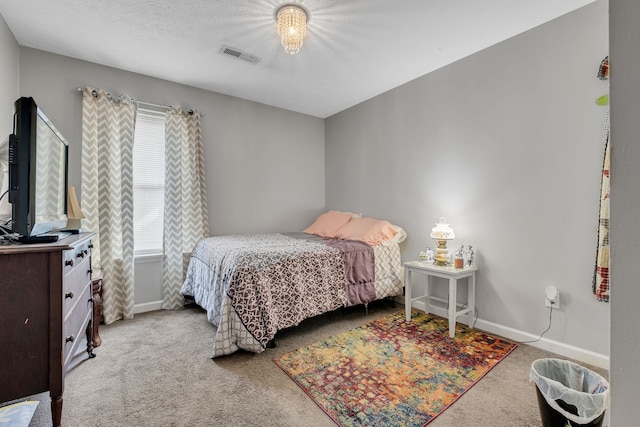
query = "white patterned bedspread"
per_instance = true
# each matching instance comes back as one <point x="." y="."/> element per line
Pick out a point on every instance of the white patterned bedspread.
<point x="253" y="285"/>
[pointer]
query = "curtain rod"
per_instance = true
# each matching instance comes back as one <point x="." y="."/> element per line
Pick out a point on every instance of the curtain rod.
<point x="167" y="107"/>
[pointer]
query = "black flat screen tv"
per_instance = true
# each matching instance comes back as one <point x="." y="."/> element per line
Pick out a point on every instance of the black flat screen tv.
<point x="38" y="164"/>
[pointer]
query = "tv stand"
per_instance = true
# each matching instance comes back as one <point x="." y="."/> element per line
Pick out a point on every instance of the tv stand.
<point x="46" y="307"/>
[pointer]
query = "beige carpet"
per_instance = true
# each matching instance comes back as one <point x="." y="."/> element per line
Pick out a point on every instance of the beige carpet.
<point x="155" y="370"/>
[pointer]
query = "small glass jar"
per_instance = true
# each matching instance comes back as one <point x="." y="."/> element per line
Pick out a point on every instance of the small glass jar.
<point x="458" y="258"/>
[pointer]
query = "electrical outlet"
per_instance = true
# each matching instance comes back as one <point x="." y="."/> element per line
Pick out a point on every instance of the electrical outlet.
<point x="552" y="297"/>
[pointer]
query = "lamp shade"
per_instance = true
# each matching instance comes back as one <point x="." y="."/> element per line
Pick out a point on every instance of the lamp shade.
<point x="73" y="207"/>
<point x="442" y="230"/>
<point x="74" y="213"/>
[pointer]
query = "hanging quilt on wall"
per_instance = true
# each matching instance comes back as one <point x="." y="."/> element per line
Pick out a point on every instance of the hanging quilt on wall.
<point x="601" y="284"/>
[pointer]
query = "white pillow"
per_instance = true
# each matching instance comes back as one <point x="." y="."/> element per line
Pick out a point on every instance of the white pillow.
<point x="398" y="238"/>
<point x="354" y="214"/>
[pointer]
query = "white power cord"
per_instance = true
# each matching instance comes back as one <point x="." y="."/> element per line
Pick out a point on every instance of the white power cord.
<point x="543" y="332"/>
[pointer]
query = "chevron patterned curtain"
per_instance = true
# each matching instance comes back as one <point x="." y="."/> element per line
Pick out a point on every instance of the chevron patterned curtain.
<point x="107" y="195"/>
<point x="185" y="201"/>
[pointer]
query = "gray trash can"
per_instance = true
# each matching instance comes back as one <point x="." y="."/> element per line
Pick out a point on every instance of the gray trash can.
<point x="568" y="392"/>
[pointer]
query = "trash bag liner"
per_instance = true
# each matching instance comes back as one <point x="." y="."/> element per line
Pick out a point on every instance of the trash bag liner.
<point x="577" y="393"/>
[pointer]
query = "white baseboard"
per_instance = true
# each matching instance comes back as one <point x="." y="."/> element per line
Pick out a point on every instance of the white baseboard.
<point x="560" y="348"/>
<point x="566" y="350"/>
<point x="147" y="306"/>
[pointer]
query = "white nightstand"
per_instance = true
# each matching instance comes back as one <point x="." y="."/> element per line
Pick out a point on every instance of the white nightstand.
<point x="447" y="272"/>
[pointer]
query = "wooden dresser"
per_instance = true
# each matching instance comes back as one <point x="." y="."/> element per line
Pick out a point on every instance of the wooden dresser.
<point x="46" y="311"/>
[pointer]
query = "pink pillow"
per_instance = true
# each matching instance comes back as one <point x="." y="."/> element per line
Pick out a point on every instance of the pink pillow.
<point x="328" y="224"/>
<point x="369" y="230"/>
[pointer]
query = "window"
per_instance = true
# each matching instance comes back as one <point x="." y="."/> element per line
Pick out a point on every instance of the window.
<point x="148" y="182"/>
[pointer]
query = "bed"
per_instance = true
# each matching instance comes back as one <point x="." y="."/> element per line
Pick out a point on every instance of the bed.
<point x="253" y="285"/>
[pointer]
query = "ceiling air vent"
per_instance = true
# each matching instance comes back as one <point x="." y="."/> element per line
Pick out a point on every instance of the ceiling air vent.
<point x="236" y="53"/>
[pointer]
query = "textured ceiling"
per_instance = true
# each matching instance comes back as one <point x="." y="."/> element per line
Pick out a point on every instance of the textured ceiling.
<point x="354" y="50"/>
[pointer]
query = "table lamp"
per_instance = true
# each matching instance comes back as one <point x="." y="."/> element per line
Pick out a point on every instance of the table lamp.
<point x="441" y="233"/>
<point x="74" y="213"/>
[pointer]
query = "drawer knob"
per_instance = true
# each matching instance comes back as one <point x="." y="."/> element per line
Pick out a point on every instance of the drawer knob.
<point x="70" y="338"/>
<point x="90" y="245"/>
<point x="68" y="295"/>
<point x="89" y="271"/>
<point x="80" y="255"/>
<point x="69" y="262"/>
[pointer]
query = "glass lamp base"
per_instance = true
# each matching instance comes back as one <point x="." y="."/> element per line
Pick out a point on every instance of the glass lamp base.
<point x="442" y="253"/>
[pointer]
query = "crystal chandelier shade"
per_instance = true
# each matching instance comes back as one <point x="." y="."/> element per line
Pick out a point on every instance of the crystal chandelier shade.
<point x="292" y="27"/>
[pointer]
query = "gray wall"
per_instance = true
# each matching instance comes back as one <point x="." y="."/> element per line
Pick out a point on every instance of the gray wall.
<point x="625" y="206"/>
<point x="265" y="166"/>
<point x="9" y="89"/>
<point x="506" y="144"/>
<point x="9" y="77"/>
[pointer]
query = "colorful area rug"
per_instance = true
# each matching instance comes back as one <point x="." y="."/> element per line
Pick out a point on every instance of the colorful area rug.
<point x="391" y="372"/>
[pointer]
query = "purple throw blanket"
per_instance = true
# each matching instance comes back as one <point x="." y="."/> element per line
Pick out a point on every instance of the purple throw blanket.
<point x="358" y="268"/>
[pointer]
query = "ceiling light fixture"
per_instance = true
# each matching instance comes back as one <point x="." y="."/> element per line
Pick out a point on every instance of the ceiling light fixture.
<point x="292" y="27"/>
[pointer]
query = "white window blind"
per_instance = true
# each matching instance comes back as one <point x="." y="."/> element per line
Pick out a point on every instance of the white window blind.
<point x="148" y="181"/>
